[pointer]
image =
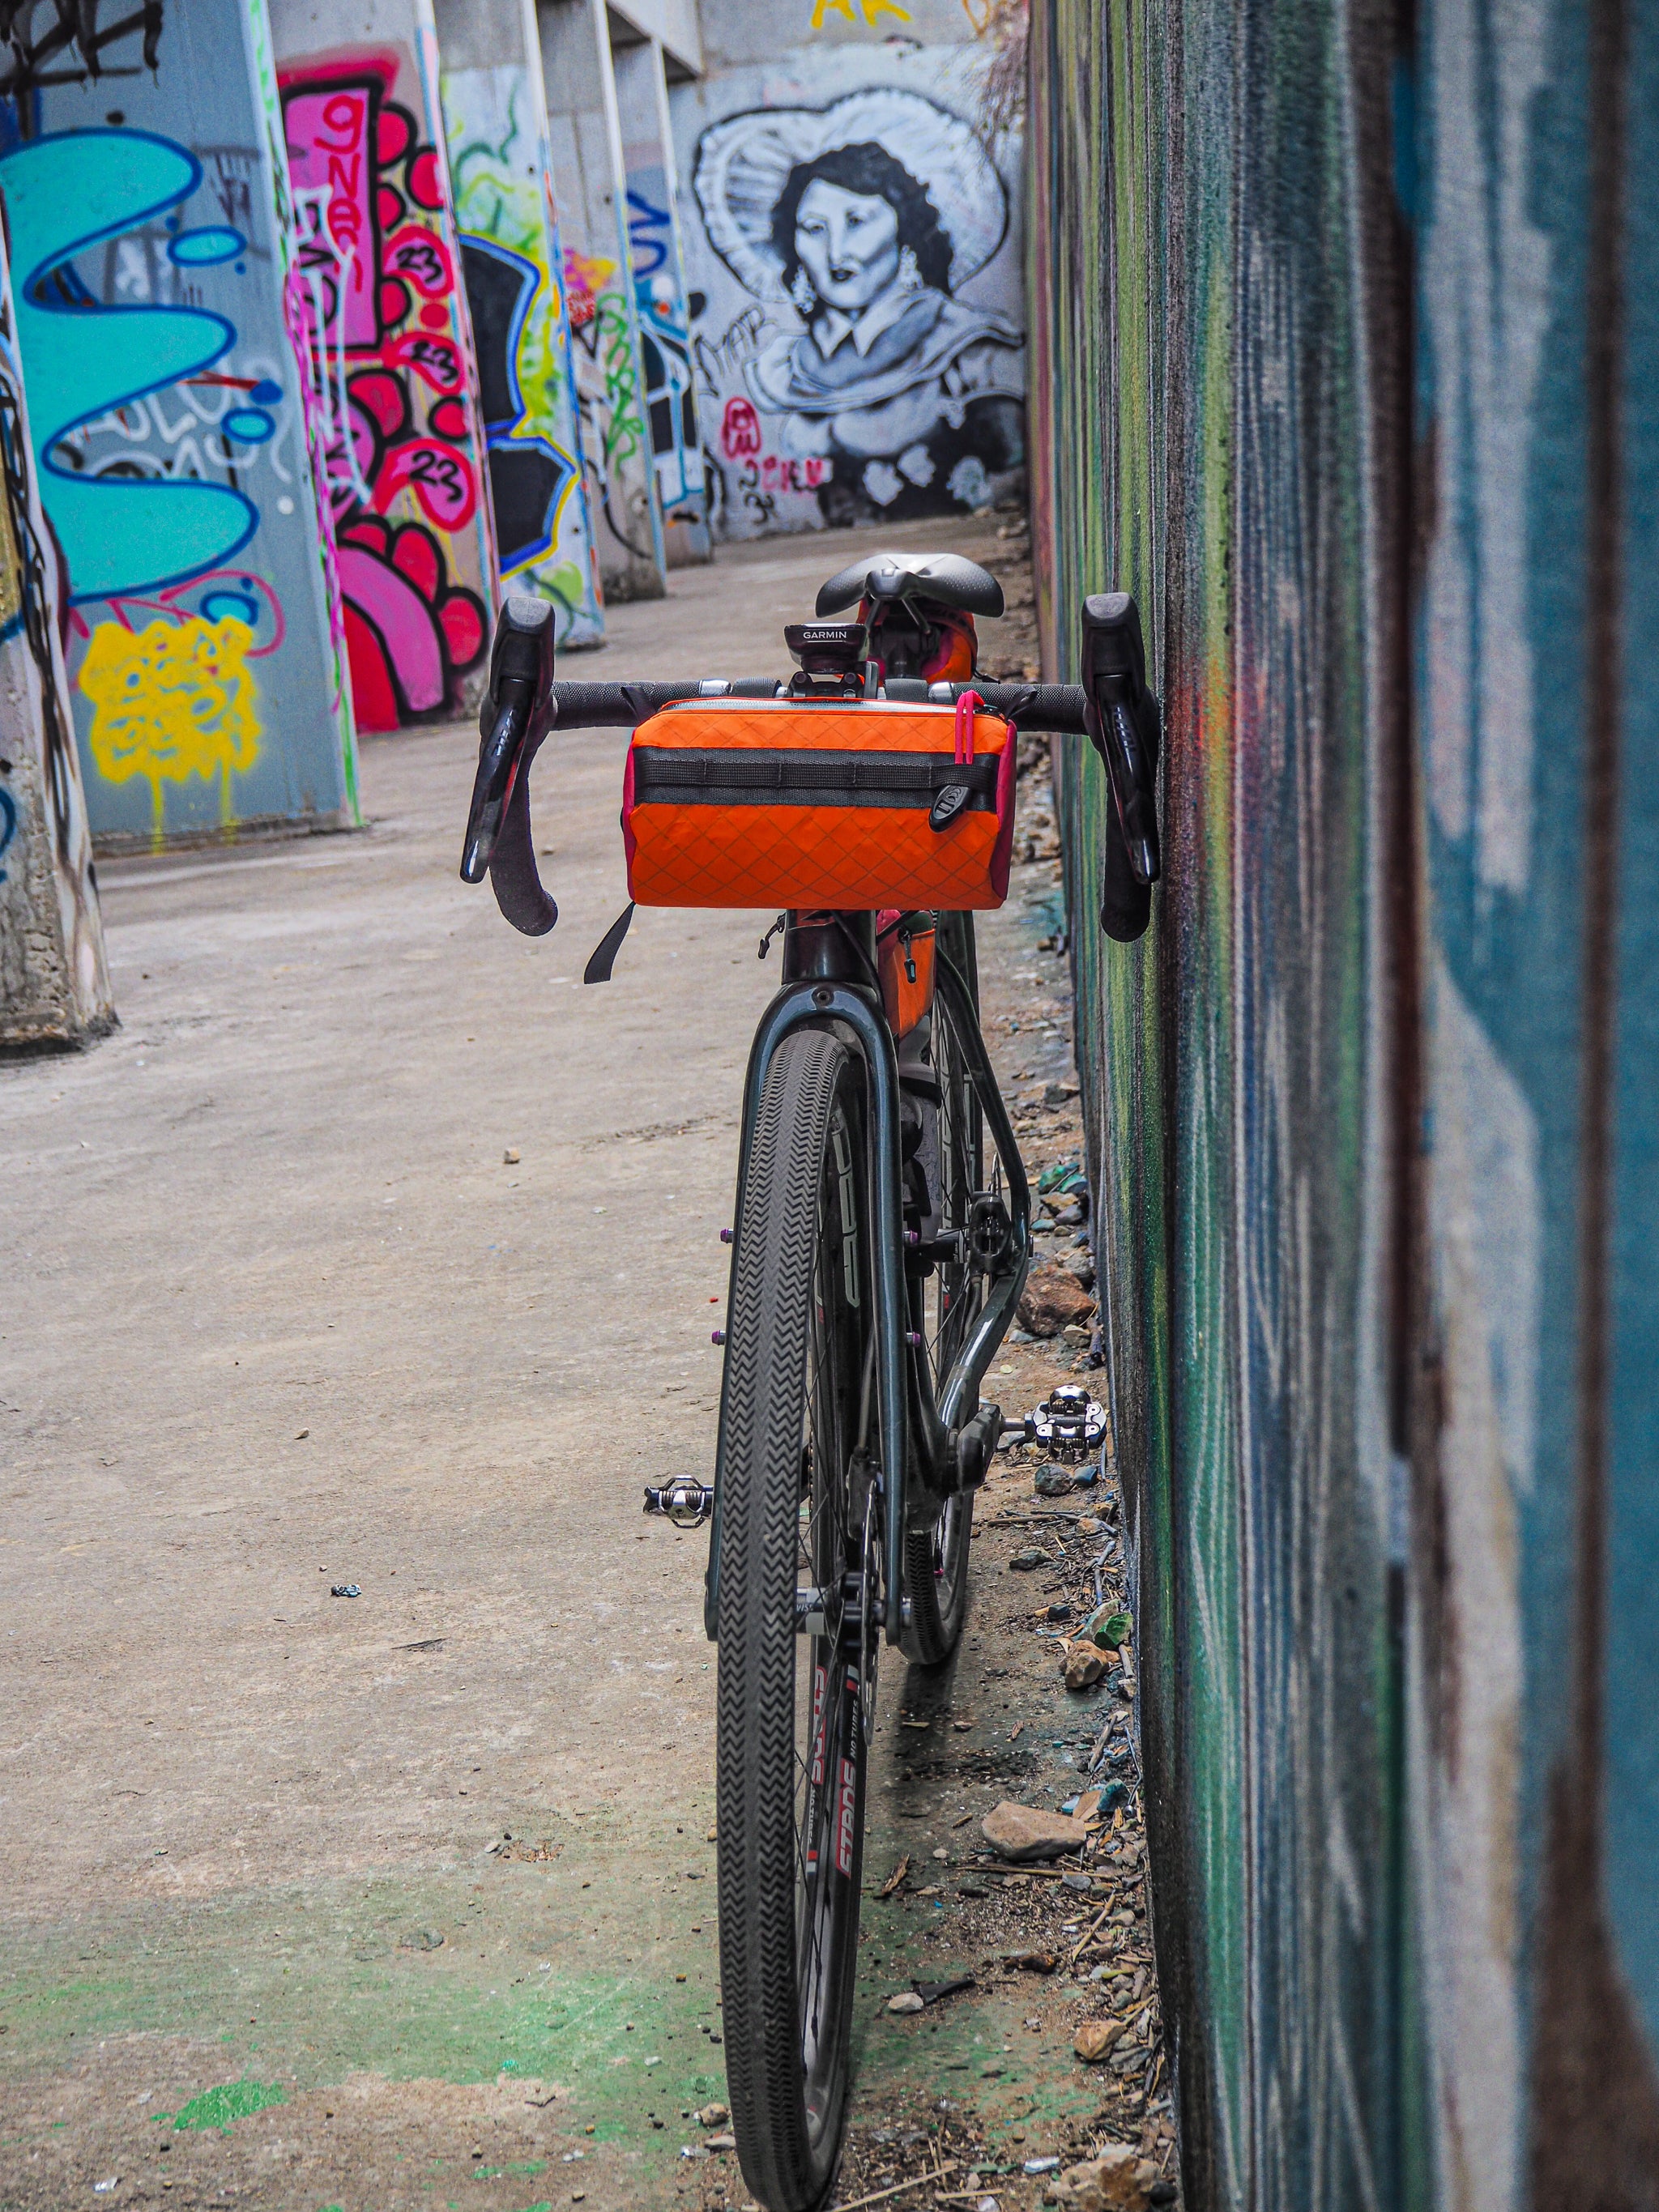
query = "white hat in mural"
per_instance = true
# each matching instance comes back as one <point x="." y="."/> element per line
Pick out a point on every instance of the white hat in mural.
<point x="744" y="164"/>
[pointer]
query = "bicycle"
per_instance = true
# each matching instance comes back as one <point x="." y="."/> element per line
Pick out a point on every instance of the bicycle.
<point x="880" y="1243"/>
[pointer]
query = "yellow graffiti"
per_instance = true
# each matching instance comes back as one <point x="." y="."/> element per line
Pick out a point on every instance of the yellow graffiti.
<point x="172" y="701"/>
<point x="872" y="10"/>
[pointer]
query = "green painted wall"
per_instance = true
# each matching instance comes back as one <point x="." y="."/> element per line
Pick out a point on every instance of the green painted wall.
<point x="1342" y="363"/>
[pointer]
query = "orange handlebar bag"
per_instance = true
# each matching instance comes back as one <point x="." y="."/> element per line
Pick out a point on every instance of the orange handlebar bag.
<point x="856" y="803"/>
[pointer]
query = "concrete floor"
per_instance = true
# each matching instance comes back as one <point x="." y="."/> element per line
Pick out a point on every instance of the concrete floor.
<point x="280" y="1318"/>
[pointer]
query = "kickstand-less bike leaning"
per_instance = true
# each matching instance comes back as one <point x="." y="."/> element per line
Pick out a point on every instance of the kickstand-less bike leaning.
<point x="883" y="1223"/>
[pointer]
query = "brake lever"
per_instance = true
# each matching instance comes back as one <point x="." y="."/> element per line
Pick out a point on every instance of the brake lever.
<point x="1123" y="719"/>
<point x="515" y="716"/>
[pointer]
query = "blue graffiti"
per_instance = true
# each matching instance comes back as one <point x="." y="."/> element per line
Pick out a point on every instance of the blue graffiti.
<point x="65" y="193"/>
<point x="249" y="426"/>
<point x="649" y="231"/>
<point x="201" y="249"/>
<point x="666" y="350"/>
<point x="529" y="478"/>
<point x="8" y="824"/>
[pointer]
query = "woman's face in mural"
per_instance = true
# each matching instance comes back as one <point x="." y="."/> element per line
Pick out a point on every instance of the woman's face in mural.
<point x="848" y="243"/>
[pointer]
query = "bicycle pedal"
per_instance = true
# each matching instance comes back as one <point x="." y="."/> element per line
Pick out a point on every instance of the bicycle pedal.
<point x="684" y="1502"/>
<point x="1069" y="1424"/>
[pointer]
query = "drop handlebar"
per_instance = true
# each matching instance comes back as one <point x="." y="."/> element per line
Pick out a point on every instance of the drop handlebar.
<point x="1059" y="709"/>
<point x="1113" y="709"/>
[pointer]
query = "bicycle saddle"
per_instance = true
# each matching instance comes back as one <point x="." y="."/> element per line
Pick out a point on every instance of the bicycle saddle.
<point x="944" y="578"/>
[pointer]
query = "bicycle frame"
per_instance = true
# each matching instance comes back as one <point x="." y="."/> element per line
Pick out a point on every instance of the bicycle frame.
<point x="916" y="1434"/>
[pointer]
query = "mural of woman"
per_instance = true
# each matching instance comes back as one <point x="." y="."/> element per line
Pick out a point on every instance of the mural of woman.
<point x="866" y="217"/>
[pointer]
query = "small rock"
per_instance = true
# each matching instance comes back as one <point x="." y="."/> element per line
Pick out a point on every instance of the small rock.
<point x="1089" y="1526"/>
<point x="1085" y="1665"/>
<point x="1077" y="1881"/>
<point x="1052" y="1482"/>
<point x="711" y="2116"/>
<point x="429" y="1939"/>
<point x="1022" y="1832"/>
<point x="510" y="1157"/>
<point x="1058" y="1094"/>
<point x="1096" y="2038"/>
<point x="1030" y="1962"/>
<point x="1023" y="1561"/>
<point x="1040" y="2166"/>
<point x="907" y="2001"/>
<point x="1052" y="1299"/>
<point x="1055" y="1613"/>
<point x="1084" y="1477"/>
<point x="941" y="1853"/>
<point x="722" y="2142"/>
<point x="1076" y="1335"/>
<point x="972" y="1889"/>
<point x="1116" y="2181"/>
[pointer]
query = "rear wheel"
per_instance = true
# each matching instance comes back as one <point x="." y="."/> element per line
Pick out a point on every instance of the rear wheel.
<point x="799" y="1541"/>
<point x="951" y="1159"/>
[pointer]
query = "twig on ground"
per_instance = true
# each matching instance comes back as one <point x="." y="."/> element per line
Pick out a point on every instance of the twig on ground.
<point x="1089" y="1932"/>
<point x="898" y="2188"/>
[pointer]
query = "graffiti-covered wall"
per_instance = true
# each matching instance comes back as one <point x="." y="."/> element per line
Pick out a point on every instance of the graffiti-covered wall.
<point x="1347" y="365"/>
<point x="149" y="226"/>
<point x="587" y="163"/>
<point x="500" y="169"/>
<point x="657" y="259"/>
<point x="381" y="322"/>
<point x="54" y="982"/>
<point x="853" y="248"/>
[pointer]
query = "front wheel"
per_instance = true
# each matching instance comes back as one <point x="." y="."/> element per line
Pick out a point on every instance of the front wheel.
<point x="798" y="1548"/>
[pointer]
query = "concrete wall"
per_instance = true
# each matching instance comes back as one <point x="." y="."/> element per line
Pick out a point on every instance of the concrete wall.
<point x="815" y="416"/>
<point x="54" y="983"/>
<point x="172" y="444"/>
<point x="589" y="166"/>
<point x="1345" y="357"/>
<point x="501" y="168"/>
<point x="382" y="324"/>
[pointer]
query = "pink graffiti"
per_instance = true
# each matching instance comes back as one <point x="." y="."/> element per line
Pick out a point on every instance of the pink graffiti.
<point x="777" y="472"/>
<point x="440" y="479"/>
<point x="375" y="286"/>
<point x="740" y="430"/>
<point x="436" y="361"/>
<point x="403" y="621"/>
<point x="420" y="256"/>
<point x="212" y="595"/>
<point x="328" y="152"/>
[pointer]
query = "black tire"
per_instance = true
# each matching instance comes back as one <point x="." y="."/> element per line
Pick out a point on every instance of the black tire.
<point x="792" y="1711"/>
<point x="951" y="1160"/>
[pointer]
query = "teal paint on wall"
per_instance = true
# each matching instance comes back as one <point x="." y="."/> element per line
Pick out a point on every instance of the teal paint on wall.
<point x="153" y="241"/>
<point x="1344" y="357"/>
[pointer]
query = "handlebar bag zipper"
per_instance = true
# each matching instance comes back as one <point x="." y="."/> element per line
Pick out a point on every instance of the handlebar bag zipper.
<point x="854" y="804"/>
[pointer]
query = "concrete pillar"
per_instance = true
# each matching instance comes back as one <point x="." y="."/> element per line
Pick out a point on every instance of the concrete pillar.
<point x="172" y="439"/>
<point x="385" y="331"/>
<point x="54" y="984"/>
<point x="501" y="171"/>
<point x="587" y="163"/>
<point x="653" y="238"/>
